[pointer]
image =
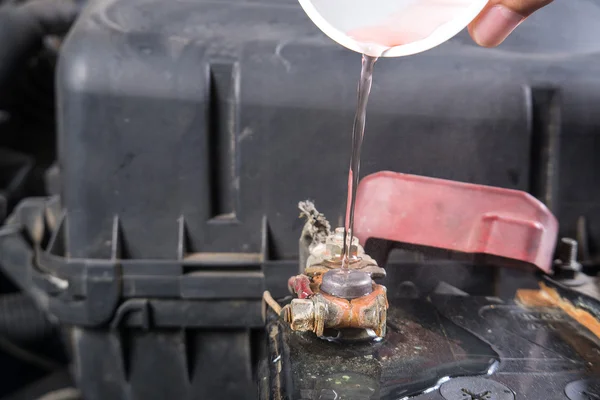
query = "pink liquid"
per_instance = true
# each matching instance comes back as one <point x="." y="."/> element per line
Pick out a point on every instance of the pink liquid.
<point x="412" y="23"/>
<point x="358" y="133"/>
<point x="415" y="21"/>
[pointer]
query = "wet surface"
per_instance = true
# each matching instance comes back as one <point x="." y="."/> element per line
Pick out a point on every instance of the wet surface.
<point x="475" y="389"/>
<point x="420" y="351"/>
<point x="534" y="353"/>
<point x="537" y="340"/>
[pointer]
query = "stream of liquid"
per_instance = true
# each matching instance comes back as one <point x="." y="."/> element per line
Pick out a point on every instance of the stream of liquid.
<point x="358" y="133"/>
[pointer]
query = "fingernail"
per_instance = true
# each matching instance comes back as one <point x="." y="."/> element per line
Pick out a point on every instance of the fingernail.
<point x="495" y="25"/>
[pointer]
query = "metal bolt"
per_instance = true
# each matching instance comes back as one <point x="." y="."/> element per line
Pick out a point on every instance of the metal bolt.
<point x="571" y="252"/>
<point x="335" y="244"/>
<point x="567" y="262"/>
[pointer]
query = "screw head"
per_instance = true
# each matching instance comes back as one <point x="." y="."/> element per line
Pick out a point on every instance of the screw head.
<point x="583" y="389"/>
<point x="473" y="388"/>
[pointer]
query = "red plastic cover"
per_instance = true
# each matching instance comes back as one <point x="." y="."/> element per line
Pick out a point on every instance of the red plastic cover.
<point x="456" y="216"/>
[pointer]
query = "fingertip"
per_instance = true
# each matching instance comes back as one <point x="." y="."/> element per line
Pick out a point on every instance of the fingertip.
<point x="494" y="24"/>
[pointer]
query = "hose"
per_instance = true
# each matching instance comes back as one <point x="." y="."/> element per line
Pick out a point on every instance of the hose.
<point x="267" y="298"/>
<point x="21" y="321"/>
<point x="28" y="356"/>
<point x="22" y="28"/>
<point x="62" y="394"/>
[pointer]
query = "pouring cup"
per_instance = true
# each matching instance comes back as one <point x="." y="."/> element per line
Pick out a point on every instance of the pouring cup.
<point x="391" y="28"/>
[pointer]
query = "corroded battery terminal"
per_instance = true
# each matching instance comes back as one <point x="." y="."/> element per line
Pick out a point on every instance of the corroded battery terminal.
<point x="332" y="302"/>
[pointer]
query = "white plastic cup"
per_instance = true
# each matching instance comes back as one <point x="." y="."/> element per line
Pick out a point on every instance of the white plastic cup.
<point x="391" y="28"/>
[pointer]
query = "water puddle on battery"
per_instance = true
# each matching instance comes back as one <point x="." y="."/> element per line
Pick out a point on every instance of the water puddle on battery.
<point x="421" y="350"/>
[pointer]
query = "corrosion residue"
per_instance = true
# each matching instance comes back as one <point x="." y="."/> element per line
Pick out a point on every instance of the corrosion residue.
<point x="549" y="297"/>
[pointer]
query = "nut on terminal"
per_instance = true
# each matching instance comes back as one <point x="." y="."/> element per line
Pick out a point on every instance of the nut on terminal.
<point x="327" y="256"/>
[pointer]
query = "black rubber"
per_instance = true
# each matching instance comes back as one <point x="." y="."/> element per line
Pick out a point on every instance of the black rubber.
<point x="22" y="28"/>
<point x="20" y="319"/>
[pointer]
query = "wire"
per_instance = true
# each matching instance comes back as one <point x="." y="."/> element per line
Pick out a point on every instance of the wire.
<point x="62" y="394"/>
<point x="267" y="298"/>
<point x="27" y="356"/>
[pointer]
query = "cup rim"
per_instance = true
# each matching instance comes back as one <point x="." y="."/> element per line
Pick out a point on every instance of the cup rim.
<point x="439" y="36"/>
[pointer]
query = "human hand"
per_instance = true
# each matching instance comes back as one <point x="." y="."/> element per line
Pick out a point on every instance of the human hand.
<point x="499" y="18"/>
<point x="421" y="18"/>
